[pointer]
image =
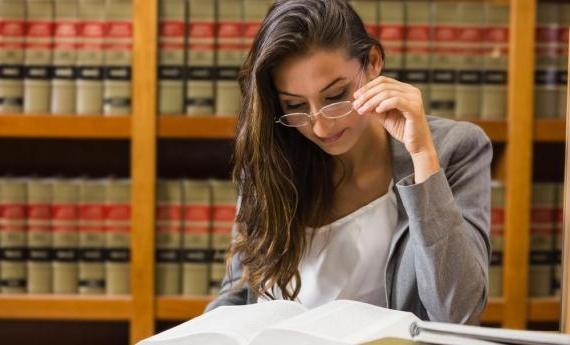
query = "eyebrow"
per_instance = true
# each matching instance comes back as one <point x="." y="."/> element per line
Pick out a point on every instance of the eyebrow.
<point x="322" y="90"/>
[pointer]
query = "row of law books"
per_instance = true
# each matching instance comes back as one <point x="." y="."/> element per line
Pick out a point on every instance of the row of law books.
<point x="545" y="239"/>
<point x="65" y="57"/>
<point x="64" y="236"/>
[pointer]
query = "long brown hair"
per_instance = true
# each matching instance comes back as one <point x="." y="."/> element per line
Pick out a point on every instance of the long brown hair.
<point x="284" y="180"/>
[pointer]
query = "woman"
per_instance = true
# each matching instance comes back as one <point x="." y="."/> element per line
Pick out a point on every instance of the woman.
<point x="348" y="190"/>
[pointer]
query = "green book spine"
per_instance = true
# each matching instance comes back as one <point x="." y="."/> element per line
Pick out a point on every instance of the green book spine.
<point x="117" y="236"/>
<point x="546" y="61"/>
<point x="39" y="236"/>
<point x="12" y="36"/>
<point x="391" y="33"/>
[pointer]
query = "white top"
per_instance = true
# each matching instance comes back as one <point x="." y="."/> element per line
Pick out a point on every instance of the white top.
<point x="347" y="258"/>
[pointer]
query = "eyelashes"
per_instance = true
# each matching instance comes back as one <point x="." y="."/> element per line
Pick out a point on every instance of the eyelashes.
<point x="334" y="98"/>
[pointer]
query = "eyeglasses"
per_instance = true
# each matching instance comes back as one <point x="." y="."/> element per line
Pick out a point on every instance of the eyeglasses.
<point x="332" y="111"/>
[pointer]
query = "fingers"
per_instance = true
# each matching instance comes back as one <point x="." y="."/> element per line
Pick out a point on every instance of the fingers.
<point x="377" y="97"/>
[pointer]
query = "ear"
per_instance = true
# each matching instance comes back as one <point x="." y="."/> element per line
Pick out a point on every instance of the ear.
<point x="375" y="62"/>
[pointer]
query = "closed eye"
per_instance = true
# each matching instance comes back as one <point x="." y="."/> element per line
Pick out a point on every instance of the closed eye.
<point x="294" y="106"/>
<point x="338" y="97"/>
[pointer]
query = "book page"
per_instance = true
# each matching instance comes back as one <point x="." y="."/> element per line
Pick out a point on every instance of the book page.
<point x="241" y="323"/>
<point x="339" y="322"/>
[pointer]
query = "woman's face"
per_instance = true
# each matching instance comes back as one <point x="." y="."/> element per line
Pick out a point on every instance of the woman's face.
<point x="306" y="83"/>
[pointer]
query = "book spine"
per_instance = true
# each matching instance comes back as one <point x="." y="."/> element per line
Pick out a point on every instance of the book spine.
<point x="557" y="245"/>
<point x="368" y="12"/>
<point x="495" y="61"/>
<point x="223" y="215"/>
<point x="65" y="221"/>
<point x="172" y="36"/>
<point x="90" y="62"/>
<point x="229" y="43"/>
<point x="64" y="57"/>
<point x="196" y="237"/>
<point x="444" y="59"/>
<point x="546" y="61"/>
<point x="254" y="12"/>
<point x="470" y="60"/>
<point x="39" y="236"/>
<point x="117" y="237"/>
<point x="562" y="74"/>
<point x="91" y="237"/>
<point x="418" y="39"/>
<point x="542" y="222"/>
<point x="12" y="37"/>
<point x="38" y="56"/>
<point x="391" y="34"/>
<point x="13" y="203"/>
<point x="497" y="239"/>
<point x="168" y="237"/>
<point x="200" y="57"/>
<point x="117" y="57"/>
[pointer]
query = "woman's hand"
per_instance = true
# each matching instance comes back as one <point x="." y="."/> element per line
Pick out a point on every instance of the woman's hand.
<point x="399" y="107"/>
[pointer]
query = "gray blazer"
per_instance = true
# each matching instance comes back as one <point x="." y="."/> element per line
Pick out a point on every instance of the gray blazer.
<point x="438" y="261"/>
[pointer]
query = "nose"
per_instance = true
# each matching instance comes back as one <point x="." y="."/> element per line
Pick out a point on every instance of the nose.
<point x="322" y="127"/>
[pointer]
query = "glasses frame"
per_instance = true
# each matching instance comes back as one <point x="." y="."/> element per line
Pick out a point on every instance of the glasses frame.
<point x="310" y="117"/>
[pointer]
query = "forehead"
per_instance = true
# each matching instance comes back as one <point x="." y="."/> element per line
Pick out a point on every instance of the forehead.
<point x="307" y="73"/>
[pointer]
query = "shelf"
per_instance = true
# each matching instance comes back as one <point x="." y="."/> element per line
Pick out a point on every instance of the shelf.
<point x="65" y="126"/>
<point x="496" y="129"/>
<point x="549" y="130"/>
<point x="196" y="127"/>
<point x="544" y="309"/>
<point x="65" y="307"/>
<point x="181" y="308"/>
<point x="493" y="312"/>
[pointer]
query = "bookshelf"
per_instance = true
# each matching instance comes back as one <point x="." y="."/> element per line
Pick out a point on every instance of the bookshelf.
<point x="144" y="129"/>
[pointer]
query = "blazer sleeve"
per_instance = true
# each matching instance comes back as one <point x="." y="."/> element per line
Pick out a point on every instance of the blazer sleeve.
<point x="449" y="222"/>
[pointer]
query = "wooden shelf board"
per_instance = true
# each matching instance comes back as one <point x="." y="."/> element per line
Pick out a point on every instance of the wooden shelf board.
<point x="496" y="130"/>
<point x="196" y="127"/>
<point x="181" y="307"/>
<point x="65" y="126"/>
<point x="549" y="130"/>
<point x="65" y="307"/>
<point x="544" y="309"/>
<point x="493" y="312"/>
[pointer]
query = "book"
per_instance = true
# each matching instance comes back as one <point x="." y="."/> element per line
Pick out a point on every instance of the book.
<point x="168" y="237"/>
<point x="391" y="33"/>
<point x="546" y="61"/>
<point x="368" y="12"/>
<point x="495" y="61"/>
<point x="557" y="240"/>
<point x="200" y="57"/>
<point x="444" y="59"/>
<point x="224" y="198"/>
<point x="229" y="56"/>
<point x="39" y="236"/>
<point x="12" y="37"/>
<point x="118" y="236"/>
<point x="13" y="237"/>
<point x="65" y="222"/>
<point x="418" y="46"/>
<point x="470" y="33"/>
<point x="91" y="236"/>
<point x="254" y="12"/>
<point x="497" y="239"/>
<point x="64" y="75"/>
<point x="337" y="322"/>
<point x="38" y="56"/>
<point x="562" y="75"/>
<point x="117" y="57"/>
<point x="171" y="56"/>
<point x="197" y="210"/>
<point x="90" y="61"/>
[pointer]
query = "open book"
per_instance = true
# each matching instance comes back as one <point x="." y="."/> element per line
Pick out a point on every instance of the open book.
<point x="338" y="322"/>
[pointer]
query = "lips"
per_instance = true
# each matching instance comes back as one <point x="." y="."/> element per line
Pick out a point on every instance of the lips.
<point x="332" y="139"/>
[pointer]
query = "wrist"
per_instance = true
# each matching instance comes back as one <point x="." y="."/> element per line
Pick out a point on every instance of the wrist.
<point x="426" y="163"/>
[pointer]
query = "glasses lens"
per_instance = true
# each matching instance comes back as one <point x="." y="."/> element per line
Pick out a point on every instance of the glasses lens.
<point x="294" y="120"/>
<point x="336" y="110"/>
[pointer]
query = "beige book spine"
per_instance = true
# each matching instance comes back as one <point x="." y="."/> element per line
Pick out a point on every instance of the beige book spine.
<point x="200" y="57"/>
<point x="562" y="77"/>
<point x="495" y="61"/>
<point x="64" y="57"/>
<point x="497" y="239"/>
<point x="168" y="237"/>
<point x="392" y="36"/>
<point x="254" y="12"/>
<point x="39" y="236"/>
<point x="171" y="56"/>
<point x="196" y="237"/>
<point x="419" y="48"/>
<point x="223" y="214"/>
<point x="470" y="36"/>
<point x="65" y="221"/>
<point x="90" y="57"/>
<point x="117" y="57"/>
<point x="546" y="61"/>
<point x="12" y="37"/>
<point x="91" y="237"/>
<point x="118" y="239"/>
<point x="367" y="11"/>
